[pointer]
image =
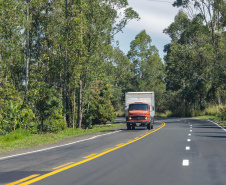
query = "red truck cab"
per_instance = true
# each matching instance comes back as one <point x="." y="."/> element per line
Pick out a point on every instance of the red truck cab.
<point x="139" y="115"/>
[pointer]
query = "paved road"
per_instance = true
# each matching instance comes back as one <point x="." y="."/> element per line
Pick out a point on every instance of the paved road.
<point x="176" y="152"/>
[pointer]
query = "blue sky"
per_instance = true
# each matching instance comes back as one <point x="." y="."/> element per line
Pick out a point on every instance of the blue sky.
<point x="156" y="15"/>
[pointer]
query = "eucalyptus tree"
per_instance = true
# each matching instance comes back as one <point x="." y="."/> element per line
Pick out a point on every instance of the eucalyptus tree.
<point x="98" y="25"/>
<point x="191" y="64"/>
<point x="11" y="61"/>
<point x="11" y="46"/>
<point x="51" y="47"/>
<point x="212" y="13"/>
<point x="146" y="66"/>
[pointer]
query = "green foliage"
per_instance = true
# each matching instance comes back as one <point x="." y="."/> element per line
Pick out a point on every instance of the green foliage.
<point x="165" y="114"/>
<point x="15" y="135"/>
<point x="192" y="65"/>
<point x="100" y="107"/>
<point x="147" y="67"/>
<point x="52" y="55"/>
<point x="218" y="111"/>
<point x="49" y="107"/>
<point x="54" y="125"/>
<point x="10" y="108"/>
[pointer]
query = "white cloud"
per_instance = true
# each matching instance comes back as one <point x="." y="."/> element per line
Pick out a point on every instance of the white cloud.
<point x="155" y="17"/>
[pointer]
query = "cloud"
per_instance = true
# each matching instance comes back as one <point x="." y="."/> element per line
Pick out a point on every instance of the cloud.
<point x="155" y="17"/>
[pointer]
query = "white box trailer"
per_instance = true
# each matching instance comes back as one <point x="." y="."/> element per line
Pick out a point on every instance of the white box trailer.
<point x="143" y="98"/>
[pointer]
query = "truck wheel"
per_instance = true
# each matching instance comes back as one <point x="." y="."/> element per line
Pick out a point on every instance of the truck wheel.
<point x="148" y="126"/>
<point x="133" y="127"/>
<point x="128" y="126"/>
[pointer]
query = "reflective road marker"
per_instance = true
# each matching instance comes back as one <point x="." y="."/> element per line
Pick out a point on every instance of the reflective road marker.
<point x="185" y="162"/>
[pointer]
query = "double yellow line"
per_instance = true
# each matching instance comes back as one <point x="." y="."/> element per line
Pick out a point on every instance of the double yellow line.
<point x="90" y="158"/>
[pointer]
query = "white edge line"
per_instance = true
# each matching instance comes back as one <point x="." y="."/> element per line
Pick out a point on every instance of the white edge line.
<point x="218" y="125"/>
<point x="17" y="155"/>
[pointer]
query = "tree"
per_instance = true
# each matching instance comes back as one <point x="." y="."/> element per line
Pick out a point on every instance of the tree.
<point x="146" y="65"/>
<point x="190" y="64"/>
<point x="99" y="21"/>
<point x="212" y="14"/>
<point x="54" y="46"/>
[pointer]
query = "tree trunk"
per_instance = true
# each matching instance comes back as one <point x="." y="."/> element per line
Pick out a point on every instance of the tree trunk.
<point x="219" y="99"/>
<point x="73" y="124"/>
<point x="65" y="70"/>
<point x="80" y="106"/>
<point x="65" y="90"/>
<point x="27" y="51"/>
<point x="68" y="107"/>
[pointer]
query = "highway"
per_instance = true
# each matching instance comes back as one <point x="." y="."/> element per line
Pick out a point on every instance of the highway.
<point x="176" y="152"/>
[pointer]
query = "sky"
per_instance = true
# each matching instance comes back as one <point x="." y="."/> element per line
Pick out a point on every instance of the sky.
<point x="156" y="15"/>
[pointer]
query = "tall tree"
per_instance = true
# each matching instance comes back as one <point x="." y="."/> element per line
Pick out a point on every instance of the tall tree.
<point x="212" y="13"/>
<point x="146" y="65"/>
<point x="191" y="62"/>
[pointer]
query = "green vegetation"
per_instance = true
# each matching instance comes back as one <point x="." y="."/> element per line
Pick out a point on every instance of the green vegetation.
<point x="19" y="138"/>
<point x="59" y="70"/>
<point x="215" y="113"/>
<point x="195" y="59"/>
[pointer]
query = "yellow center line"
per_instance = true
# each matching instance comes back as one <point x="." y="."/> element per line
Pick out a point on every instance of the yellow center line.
<point x="120" y="144"/>
<point x="90" y="155"/>
<point x="107" y="149"/>
<point x="24" y="179"/>
<point x="62" y="165"/>
<point x="86" y="160"/>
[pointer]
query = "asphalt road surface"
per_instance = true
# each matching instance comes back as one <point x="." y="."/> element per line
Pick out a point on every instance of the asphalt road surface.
<point x="176" y="152"/>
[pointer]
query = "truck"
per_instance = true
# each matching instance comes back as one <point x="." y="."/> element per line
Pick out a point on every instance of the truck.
<point x="139" y="109"/>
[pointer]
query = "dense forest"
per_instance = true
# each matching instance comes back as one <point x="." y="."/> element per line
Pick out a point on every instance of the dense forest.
<point x="59" y="68"/>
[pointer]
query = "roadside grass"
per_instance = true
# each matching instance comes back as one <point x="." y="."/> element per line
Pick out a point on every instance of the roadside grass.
<point x="214" y="118"/>
<point x="19" y="138"/>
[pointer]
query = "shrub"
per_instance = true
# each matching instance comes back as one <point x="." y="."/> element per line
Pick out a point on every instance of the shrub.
<point x="165" y="114"/>
<point x="218" y="111"/>
<point x="27" y="117"/>
<point x="54" y="125"/>
<point x="212" y="111"/>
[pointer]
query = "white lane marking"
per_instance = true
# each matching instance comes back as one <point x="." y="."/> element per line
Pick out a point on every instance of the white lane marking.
<point x="188" y="140"/>
<point x="185" y="162"/>
<point x="190" y="130"/>
<point x="189" y="134"/>
<point x="219" y="125"/>
<point x="187" y="148"/>
<point x="11" y="156"/>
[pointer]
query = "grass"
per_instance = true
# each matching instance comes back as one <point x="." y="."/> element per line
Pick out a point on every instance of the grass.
<point x="23" y="139"/>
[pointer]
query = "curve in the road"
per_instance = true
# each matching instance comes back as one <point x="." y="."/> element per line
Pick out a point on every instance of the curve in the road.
<point x="91" y="158"/>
